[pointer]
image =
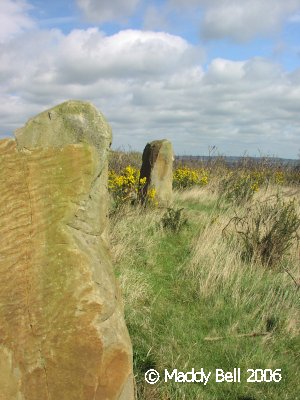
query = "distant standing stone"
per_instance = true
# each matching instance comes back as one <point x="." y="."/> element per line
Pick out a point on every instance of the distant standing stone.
<point x="157" y="168"/>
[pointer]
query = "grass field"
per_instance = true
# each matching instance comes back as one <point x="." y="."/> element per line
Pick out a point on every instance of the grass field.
<point x="193" y="301"/>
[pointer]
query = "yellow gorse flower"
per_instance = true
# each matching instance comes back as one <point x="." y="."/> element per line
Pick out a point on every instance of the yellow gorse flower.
<point x="124" y="186"/>
<point x="151" y="197"/>
<point x="184" y="177"/>
<point x="127" y="185"/>
<point x="254" y="187"/>
<point x="279" y="177"/>
<point x="151" y="193"/>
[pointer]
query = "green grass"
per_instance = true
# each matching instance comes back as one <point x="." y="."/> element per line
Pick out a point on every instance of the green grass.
<point x="180" y="289"/>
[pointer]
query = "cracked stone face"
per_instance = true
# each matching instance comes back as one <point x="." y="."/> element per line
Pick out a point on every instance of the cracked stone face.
<point x="157" y="168"/>
<point x="62" y="329"/>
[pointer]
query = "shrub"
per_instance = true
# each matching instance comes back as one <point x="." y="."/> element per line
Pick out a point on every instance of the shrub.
<point x="239" y="187"/>
<point x="279" y="178"/>
<point x="267" y="231"/>
<point x="126" y="187"/>
<point x="173" y="220"/>
<point x="185" y="177"/>
<point x="151" y="199"/>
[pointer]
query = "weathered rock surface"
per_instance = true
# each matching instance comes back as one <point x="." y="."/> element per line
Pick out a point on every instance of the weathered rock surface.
<point x="62" y="329"/>
<point x="157" y="168"/>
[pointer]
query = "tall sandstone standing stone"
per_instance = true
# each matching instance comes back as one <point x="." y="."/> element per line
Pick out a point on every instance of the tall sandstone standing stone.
<point x="62" y="329"/>
<point x="157" y="168"/>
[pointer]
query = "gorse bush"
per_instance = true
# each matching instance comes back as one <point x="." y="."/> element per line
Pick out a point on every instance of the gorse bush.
<point x="173" y="220"/>
<point x="239" y="187"/>
<point x="185" y="177"/>
<point x="126" y="187"/>
<point x="279" y="178"/>
<point x="151" y="198"/>
<point x="267" y="231"/>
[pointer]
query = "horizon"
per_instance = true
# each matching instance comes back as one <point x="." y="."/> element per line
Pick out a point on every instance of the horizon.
<point x="218" y="155"/>
<point x="198" y="73"/>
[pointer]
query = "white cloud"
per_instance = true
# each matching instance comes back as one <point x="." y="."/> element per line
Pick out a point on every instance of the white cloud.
<point x="152" y="85"/>
<point x="241" y="20"/>
<point x="14" y="18"/>
<point x="221" y="70"/>
<point x="85" y="56"/>
<point x="107" y="10"/>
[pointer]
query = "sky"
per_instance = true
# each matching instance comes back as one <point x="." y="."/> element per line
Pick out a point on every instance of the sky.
<point x="201" y="73"/>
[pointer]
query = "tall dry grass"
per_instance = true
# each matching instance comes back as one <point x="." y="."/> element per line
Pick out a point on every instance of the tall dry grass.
<point x="216" y="269"/>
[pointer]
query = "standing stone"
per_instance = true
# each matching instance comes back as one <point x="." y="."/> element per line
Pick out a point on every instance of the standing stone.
<point x="157" y="168"/>
<point x="62" y="329"/>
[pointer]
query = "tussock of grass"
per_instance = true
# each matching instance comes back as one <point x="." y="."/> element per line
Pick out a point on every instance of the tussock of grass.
<point x="181" y="288"/>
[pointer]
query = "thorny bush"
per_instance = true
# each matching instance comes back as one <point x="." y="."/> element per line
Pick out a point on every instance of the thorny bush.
<point x="267" y="231"/>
